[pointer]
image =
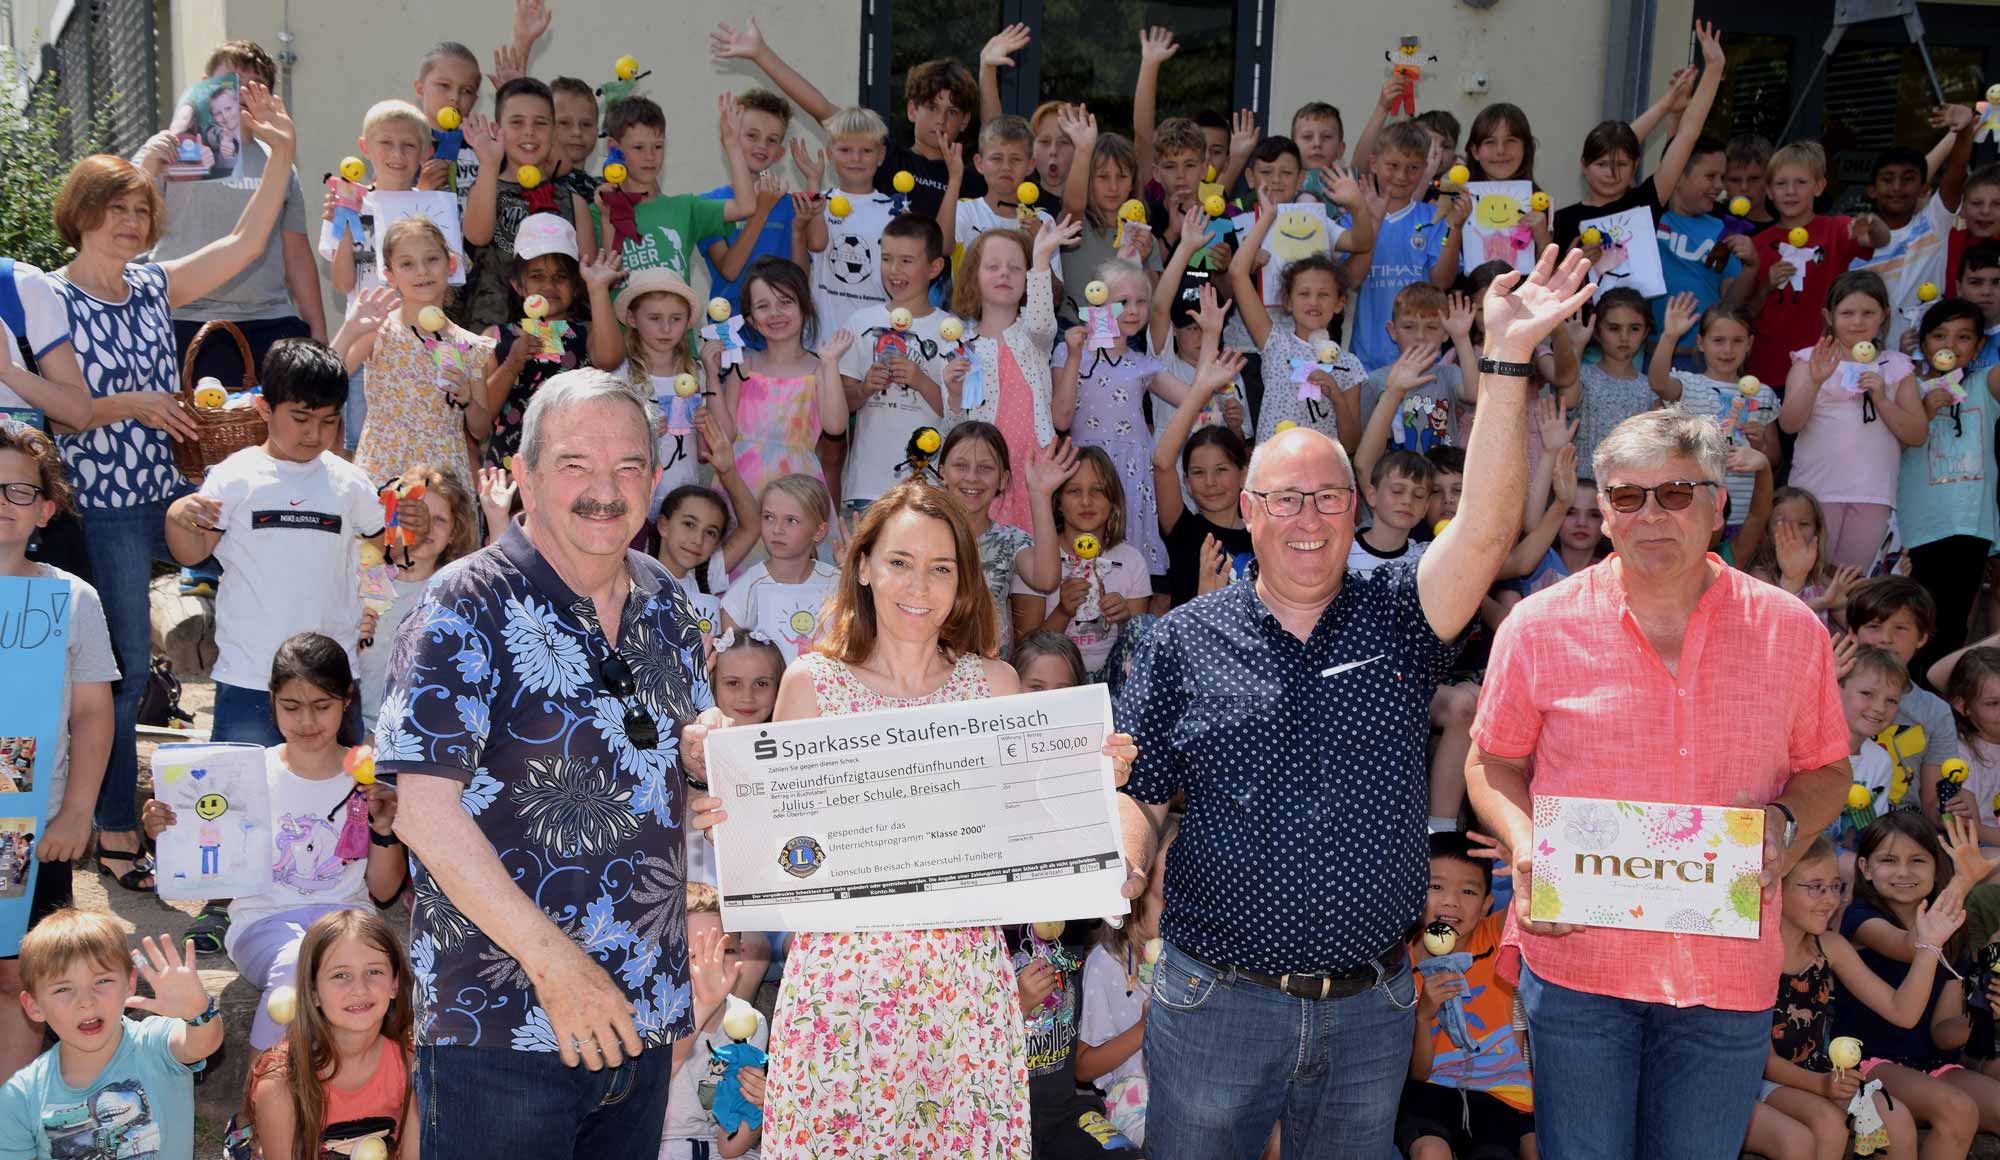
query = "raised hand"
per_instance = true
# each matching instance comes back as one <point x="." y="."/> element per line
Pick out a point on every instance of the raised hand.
<point x="483" y="137"/>
<point x="1458" y="316"/>
<point x="1156" y="46"/>
<point x="1211" y="312"/>
<point x="1194" y="231"/>
<point x="1050" y="467"/>
<point x="1412" y="369"/>
<point x="1521" y="311"/>
<point x="1846" y="647"/>
<point x="1746" y="460"/>
<point x="1243" y="134"/>
<point x="1845" y="577"/>
<point x="264" y="113"/>
<point x="509" y="63"/>
<point x="1080" y="126"/>
<point x="1217" y="371"/>
<point x="998" y="52"/>
<point x="811" y="165"/>
<point x="720" y="453"/>
<point x="727" y="43"/>
<point x="711" y="971"/>
<point x="1064" y="233"/>
<point x="1552" y="419"/>
<point x="169" y="970"/>
<point x="729" y="119"/>
<point x="531" y="20"/>
<point x="1961" y="842"/>
<point x="1957" y="118"/>
<point x="770" y="191"/>
<point x="1682" y="310"/>
<point x="496" y="494"/>
<point x="1213" y="575"/>
<point x="1343" y="186"/>
<point x="1562" y="481"/>
<point x="373" y="306"/>
<point x="602" y="270"/>
<point x="1710" y="38"/>
<point x="836" y="344"/>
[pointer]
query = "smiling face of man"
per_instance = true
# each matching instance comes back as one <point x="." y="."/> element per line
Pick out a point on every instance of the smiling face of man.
<point x="1301" y="557"/>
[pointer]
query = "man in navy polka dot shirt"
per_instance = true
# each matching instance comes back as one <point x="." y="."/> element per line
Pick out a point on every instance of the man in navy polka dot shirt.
<point x="1291" y="712"/>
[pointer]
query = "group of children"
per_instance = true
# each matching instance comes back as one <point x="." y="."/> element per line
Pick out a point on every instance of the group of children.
<point x="1079" y="336"/>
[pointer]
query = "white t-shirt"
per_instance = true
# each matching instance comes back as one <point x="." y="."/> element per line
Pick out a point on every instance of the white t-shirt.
<point x="90" y="660"/>
<point x="680" y="455"/>
<point x="787" y="613"/>
<point x="1108" y="1010"/>
<point x="304" y="869"/>
<point x="847" y="275"/>
<point x="975" y="217"/>
<point x="1120" y="569"/>
<point x="688" y="1115"/>
<point x="1916" y="254"/>
<point x="1362" y="559"/>
<point x="290" y="556"/>
<point x="1873" y="768"/>
<point x="28" y="306"/>
<point x="886" y="420"/>
<point x="707" y="605"/>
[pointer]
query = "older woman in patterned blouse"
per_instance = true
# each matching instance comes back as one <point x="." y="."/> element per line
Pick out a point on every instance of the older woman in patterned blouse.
<point x="120" y="462"/>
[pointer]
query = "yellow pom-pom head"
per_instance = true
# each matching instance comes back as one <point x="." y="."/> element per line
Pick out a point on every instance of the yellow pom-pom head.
<point x="1739" y="206"/>
<point x="1097" y="293"/>
<point x="1927" y="292"/>
<point x="1844" y="1053"/>
<point x="1208" y="175"/>
<point x="1087" y="547"/>
<point x="685" y="385"/>
<point x="1748" y="384"/>
<point x="535" y="306"/>
<point x="281" y="1004"/>
<point x="1593" y="237"/>
<point x="616" y="173"/>
<point x="1214" y="205"/>
<point x="1132" y="211"/>
<point x="1858" y="796"/>
<point x="839" y="206"/>
<point x="1992" y="93"/>
<point x="626" y="67"/>
<point x="1539" y="202"/>
<point x="741" y="1022"/>
<point x="718" y="309"/>
<point x="449" y="118"/>
<point x="1954" y="771"/>
<point x="1458" y="175"/>
<point x="353" y="169"/>
<point x="527" y="177"/>
<point x="1027" y="193"/>
<point x="1437" y="529"/>
<point x="431" y="318"/>
<point x="360" y="764"/>
<point x="899" y="319"/>
<point x="370" y="1149"/>
<point x="1328" y="352"/>
<point x="903" y="182"/>
<point x="209" y="394"/>
<point x="1798" y="236"/>
<point x="1283" y="426"/>
<point x="1863" y="351"/>
<point x="951" y="330"/>
<point x="1049" y="931"/>
<point x="928" y="441"/>
<point x="1440" y="939"/>
<point x="1944" y="360"/>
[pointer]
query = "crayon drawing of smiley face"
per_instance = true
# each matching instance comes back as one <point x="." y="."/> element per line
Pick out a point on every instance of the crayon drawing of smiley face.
<point x="1297" y="234"/>
<point x="1497" y="211"/>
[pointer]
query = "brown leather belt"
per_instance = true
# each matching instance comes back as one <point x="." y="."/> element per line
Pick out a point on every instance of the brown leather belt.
<point x="1299" y="985"/>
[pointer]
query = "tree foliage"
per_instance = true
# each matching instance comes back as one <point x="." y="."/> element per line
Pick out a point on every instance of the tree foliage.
<point x="35" y="156"/>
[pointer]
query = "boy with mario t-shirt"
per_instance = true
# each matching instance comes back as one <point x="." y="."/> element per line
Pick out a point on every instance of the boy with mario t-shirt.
<point x="1801" y="256"/>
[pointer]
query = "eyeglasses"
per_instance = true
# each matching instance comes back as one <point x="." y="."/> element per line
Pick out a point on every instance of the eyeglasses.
<point x="1672" y="496"/>
<point x="1328" y="501"/>
<point x="639" y="727"/>
<point x="1819" y="889"/>
<point x="21" y="494"/>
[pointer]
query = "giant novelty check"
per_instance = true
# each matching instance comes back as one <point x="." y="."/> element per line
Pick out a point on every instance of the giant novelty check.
<point x="973" y="813"/>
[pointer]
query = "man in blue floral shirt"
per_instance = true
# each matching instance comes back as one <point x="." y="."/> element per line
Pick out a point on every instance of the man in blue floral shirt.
<point x="538" y="770"/>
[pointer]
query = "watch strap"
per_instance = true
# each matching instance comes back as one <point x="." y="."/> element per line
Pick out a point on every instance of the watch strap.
<point x="207" y="1016"/>
<point x="384" y="840"/>
<point x="1513" y="370"/>
<point x="1791" y="822"/>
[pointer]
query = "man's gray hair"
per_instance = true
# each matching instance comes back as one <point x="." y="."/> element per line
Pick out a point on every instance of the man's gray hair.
<point x="1257" y="458"/>
<point x="574" y="388"/>
<point x="1653" y="437"/>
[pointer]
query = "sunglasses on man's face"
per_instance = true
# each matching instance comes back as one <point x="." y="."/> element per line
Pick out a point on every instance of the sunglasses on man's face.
<point x="1672" y="496"/>
<point x="639" y="727"/>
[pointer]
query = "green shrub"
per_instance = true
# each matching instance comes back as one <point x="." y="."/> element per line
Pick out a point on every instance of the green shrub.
<point x="33" y="162"/>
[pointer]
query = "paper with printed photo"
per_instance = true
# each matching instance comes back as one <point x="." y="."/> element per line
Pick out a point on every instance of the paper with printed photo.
<point x="208" y="131"/>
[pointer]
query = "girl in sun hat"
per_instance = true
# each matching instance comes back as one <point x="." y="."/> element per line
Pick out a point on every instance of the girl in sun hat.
<point x="656" y="308"/>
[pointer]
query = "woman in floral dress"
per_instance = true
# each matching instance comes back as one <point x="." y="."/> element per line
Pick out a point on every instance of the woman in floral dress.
<point x="899" y="1043"/>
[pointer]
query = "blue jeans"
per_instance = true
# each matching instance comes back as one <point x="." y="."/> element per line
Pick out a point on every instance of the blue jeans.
<point x="1227" y="1058"/>
<point x="1617" y="1077"/>
<point x="356" y="412"/>
<point x="243" y="715"/>
<point x="123" y="543"/>
<point x="479" y="1102"/>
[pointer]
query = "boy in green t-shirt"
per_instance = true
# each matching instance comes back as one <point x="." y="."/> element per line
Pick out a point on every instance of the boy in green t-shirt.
<point x="651" y="229"/>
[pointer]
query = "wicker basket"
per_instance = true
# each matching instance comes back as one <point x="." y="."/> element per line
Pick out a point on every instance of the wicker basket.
<point x="219" y="433"/>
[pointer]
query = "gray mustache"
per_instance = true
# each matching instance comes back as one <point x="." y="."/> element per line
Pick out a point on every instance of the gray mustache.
<point x="590" y="508"/>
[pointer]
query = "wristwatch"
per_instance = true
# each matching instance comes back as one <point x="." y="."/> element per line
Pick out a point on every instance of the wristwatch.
<point x="384" y="840"/>
<point x="1791" y="822"/>
<point x="1511" y="370"/>
<point x="207" y="1016"/>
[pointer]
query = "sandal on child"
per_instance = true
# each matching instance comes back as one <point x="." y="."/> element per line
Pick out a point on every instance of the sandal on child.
<point x="141" y="862"/>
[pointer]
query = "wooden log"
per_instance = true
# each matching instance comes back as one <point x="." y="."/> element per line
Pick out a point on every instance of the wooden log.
<point x="183" y="628"/>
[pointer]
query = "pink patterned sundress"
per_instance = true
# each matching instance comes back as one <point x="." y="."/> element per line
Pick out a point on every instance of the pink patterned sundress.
<point x="902" y="1043"/>
<point x="777" y="429"/>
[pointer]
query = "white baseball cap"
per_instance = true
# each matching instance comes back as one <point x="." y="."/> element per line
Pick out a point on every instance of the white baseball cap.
<point x="545" y="233"/>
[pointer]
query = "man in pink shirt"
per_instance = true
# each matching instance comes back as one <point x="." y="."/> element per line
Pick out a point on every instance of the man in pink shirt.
<point x="1659" y="675"/>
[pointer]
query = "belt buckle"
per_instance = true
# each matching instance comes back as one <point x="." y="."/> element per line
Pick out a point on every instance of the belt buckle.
<point x="1325" y="986"/>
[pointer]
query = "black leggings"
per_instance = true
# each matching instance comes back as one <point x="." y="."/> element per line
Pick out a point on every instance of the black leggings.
<point x="1951" y="569"/>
